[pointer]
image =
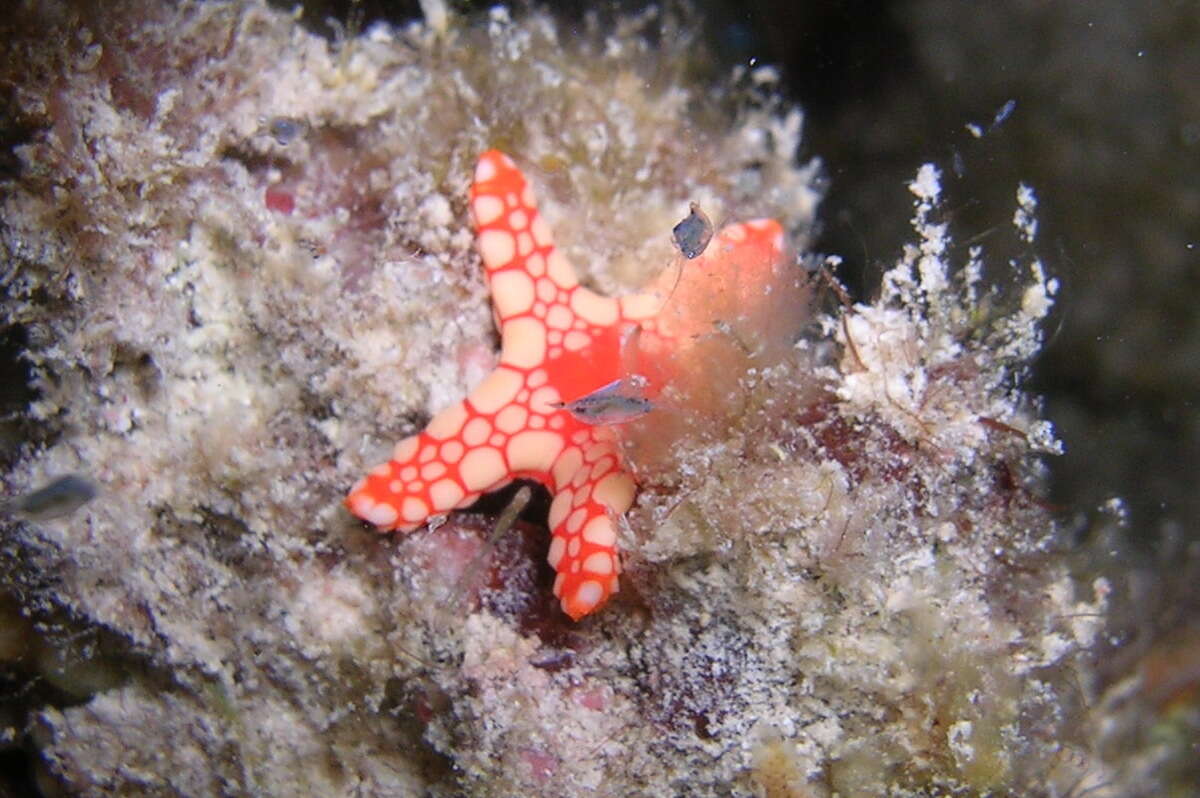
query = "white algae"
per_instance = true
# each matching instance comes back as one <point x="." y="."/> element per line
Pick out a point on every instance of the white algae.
<point x="243" y="261"/>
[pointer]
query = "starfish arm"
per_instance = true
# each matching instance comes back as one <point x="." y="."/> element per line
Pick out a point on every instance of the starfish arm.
<point x="472" y="447"/>
<point x="542" y="310"/>
<point x="430" y="473"/>
<point x="591" y="490"/>
<point x="423" y="478"/>
<point x="725" y="281"/>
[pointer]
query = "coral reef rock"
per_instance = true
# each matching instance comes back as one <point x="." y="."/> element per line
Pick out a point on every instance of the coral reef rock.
<point x="238" y="264"/>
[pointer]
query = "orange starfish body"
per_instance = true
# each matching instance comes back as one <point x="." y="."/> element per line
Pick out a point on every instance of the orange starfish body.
<point x="559" y="341"/>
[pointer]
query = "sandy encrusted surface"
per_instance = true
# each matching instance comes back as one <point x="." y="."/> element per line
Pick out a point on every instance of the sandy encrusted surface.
<point x="241" y="259"/>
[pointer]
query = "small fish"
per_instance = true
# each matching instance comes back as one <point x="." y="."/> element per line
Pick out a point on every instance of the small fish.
<point x="616" y="403"/>
<point x="60" y="497"/>
<point x="693" y="233"/>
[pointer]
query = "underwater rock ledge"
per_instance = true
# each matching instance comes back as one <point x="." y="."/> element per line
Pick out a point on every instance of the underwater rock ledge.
<point x="240" y="259"/>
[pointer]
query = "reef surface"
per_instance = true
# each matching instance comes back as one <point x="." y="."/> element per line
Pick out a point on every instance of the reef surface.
<point x="239" y="265"/>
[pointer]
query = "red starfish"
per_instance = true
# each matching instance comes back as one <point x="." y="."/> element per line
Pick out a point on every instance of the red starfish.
<point x="559" y="342"/>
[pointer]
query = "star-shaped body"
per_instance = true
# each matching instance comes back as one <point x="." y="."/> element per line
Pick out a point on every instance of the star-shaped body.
<point x="559" y="341"/>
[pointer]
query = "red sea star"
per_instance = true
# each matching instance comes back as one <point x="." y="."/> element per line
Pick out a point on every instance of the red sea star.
<point x="559" y="341"/>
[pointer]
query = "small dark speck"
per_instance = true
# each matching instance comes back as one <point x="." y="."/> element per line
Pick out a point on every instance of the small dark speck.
<point x="286" y="130"/>
<point x="1004" y="113"/>
<point x="553" y="660"/>
<point x="693" y="233"/>
<point x="60" y="497"/>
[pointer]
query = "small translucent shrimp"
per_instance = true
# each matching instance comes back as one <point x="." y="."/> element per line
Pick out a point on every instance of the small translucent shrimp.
<point x="616" y="403"/>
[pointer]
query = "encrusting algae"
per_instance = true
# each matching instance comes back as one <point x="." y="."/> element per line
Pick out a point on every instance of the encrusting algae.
<point x="244" y="263"/>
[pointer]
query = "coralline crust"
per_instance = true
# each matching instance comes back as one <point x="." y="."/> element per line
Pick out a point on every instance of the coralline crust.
<point x="241" y="260"/>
